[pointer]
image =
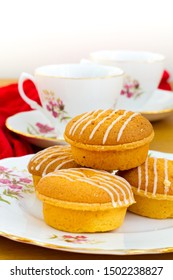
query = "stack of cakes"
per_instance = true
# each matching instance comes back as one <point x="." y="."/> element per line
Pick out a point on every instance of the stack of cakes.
<point x="87" y="196"/>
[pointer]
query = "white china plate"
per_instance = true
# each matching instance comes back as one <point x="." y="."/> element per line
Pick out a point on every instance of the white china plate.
<point x="21" y="220"/>
<point x="158" y="107"/>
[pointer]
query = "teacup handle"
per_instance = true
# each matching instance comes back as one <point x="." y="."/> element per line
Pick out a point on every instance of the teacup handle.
<point x="34" y="105"/>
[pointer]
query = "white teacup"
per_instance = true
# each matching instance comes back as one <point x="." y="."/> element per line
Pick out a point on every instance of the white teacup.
<point x="66" y="90"/>
<point x="143" y="72"/>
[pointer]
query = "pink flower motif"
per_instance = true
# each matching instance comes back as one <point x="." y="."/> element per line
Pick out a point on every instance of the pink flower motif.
<point x="75" y="239"/>
<point x="44" y="128"/>
<point x="48" y="107"/>
<point x="55" y="107"/>
<point x="5" y="181"/>
<point x="25" y="180"/>
<point x="68" y="236"/>
<point x="54" y="104"/>
<point x="81" y="237"/>
<point x="60" y="104"/>
<point x="51" y="102"/>
<point x="55" y="114"/>
<point x="126" y="86"/>
<point x="131" y="88"/>
<point x="15" y="187"/>
<point x="129" y="94"/>
<point x="3" y="169"/>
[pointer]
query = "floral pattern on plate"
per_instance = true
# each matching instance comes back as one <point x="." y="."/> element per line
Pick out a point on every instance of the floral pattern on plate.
<point x="76" y="239"/>
<point x="41" y="129"/>
<point x="13" y="183"/>
<point x="22" y="220"/>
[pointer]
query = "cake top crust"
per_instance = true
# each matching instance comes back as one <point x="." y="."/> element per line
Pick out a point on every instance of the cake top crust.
<point x="84" y="185"/>
<point x="108" y="127"/>
<point x="51" y="159"/>
<point x="153" y="177"/>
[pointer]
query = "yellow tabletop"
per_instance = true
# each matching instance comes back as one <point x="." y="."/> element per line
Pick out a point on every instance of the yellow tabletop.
<point x="163" y="141"/>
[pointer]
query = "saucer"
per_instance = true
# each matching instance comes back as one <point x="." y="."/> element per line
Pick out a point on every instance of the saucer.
<point x="35" y="127"/>
<point x="159" y="106"/>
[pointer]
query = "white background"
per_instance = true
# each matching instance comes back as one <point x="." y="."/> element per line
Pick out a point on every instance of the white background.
<point x="39" y="32"/>
<point x="97" y="265"/>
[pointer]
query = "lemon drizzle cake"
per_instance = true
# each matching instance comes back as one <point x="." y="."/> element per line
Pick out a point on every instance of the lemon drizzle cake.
<point x="50" y="159"/>
<point x="84" y="200"/>
<point x="109" y="139"/>
<point x="94" y="116"/>
<point x="152" y="184"/>
<point x="164" y="184"/>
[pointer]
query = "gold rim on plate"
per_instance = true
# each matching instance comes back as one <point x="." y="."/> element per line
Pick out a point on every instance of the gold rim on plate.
<point x="157" y="111"/>
<point x="87" y="250"/>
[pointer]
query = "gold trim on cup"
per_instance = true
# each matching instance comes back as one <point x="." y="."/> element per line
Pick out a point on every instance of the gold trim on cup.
<point x="114" y="60"/>
<point x="36" y="73"/>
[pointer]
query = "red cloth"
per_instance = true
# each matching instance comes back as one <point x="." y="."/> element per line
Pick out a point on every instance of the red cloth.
<point x="11" y="144"/>
<point x="164" y="83"/>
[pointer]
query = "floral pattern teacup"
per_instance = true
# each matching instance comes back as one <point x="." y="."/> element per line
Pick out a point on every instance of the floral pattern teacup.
<point x="143" y="71"/>
<point x="67" y="90"/>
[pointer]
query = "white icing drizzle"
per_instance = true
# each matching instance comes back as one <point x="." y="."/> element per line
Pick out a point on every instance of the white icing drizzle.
<point x="125" y="184"/>
<point x="49" y="150"/>
<point x="127" y="187"/>
<point x="52" y="155"/>
<point x="89" y="117"/>
<point x="45" y="154"/>
<point x="166" y="169"/>
<point x="90" y="121"/>
<point x="139" y="178"/>
<point x="100" y="180"/>
<point x="73" y="172"/>
<point x="52" y="162"/>
<point x="58" y="175"/>
<point x="125" y="124"/>
<point x="118" y="195"/>
<point x="166" y="182"/>
<point x="100" y="123"/>
<point x="123" y="180"/>
<point x="81" y="120"/>
<point x="155" y="177"/>
<point x="114" y="204"/>
<point x="146" y="176"/>
<point x="38" y="166"/>
<point x="111" y="126"/>
<point x="63" y="163"/>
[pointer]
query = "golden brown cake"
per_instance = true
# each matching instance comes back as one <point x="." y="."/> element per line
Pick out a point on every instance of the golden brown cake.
<point x="50" y="159"/>
<point x="84" y="200"/>
<point x="152" y="184"/>
<point x="109" y="139"/>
